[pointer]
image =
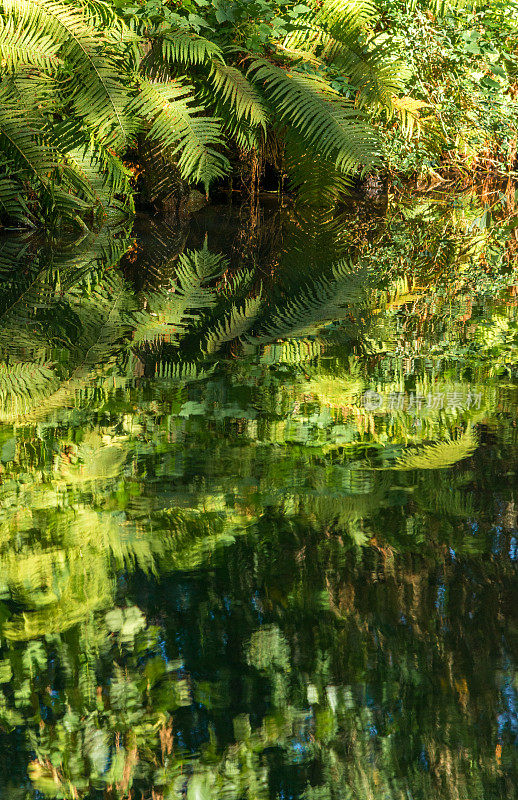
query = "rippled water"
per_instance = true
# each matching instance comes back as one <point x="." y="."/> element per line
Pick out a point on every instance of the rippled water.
<point x="262" y="542"/>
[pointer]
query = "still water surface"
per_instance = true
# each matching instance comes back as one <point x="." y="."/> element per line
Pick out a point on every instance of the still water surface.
<point x="258" y="527"/>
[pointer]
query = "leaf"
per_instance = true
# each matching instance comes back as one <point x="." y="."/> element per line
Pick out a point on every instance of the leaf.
<point x="439" y="455"/>
<point x="333" y="129"/>
<point x="176" y="123"/>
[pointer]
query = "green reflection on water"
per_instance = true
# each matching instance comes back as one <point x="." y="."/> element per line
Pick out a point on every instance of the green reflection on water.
<point x="258" y="527"/>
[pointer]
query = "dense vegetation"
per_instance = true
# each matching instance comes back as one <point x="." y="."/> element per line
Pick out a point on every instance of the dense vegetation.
<point x="228" y="571"/>
<point x="258" y="511"/>
<point x="100" y="100"/>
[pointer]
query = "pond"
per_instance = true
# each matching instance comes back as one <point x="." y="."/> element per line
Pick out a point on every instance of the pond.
<point x="258" y="526"/>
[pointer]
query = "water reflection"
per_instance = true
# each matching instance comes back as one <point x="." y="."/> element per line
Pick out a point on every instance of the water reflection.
<point x="258" y="526"/>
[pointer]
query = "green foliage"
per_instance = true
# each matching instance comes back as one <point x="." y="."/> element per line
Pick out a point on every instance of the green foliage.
<point x="223" y="572"/>
<point x="81" y="87"/>
<point x="326" y="92"/>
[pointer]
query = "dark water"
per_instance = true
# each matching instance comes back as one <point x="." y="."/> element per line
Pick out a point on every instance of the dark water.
<point x="258" y="535"/>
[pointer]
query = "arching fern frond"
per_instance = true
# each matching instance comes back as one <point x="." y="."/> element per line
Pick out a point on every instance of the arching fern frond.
<point x="234" y="324"/>
<point x="346" y="16"/>
<point x="22" y="386"/>
<point x="314" y="305"/>
<point x="333" y="129"/>
<point x="99" y="92"/>
<point x="21" y="143"/>
<point x="21" y="45"/>
<point x="176" y="124"/>
<point x="186" y="47"/>
<point x="318" y="182"/>
<point x="440" y="454"/>
<point x="241" y="96"/>
<point x="172" y="309"/>
<point x="180" y="372"/>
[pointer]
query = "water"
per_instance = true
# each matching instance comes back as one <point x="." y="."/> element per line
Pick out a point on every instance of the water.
<point x="258" y="535"/>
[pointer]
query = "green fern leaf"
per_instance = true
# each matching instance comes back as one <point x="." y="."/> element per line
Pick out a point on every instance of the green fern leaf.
<point x="315" y="305"/>
<point x="99" y="94"/>
<point x="335" y="131"/>
<point x="22" y="386"/>
<point x="234" y="325"/>
<point x="186" y="47"/>
<point x="176" y="124"/>
<point x="20" y="45"/>
<point x="439" y="455"/>
<point x="172" y="309"/>
<point x="240" y="95"/>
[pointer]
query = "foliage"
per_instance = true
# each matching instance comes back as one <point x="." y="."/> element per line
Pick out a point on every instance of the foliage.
<point x="459" y="110"/>
<point x="108" y="98"/>
<point x="225" y="572"/>
<point x="81" y="86"/>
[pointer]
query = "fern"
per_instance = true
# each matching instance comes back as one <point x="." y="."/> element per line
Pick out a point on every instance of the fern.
<point x="242" y="98"/>
<point x="99" y="94"/>
<point x="439" y="455"/>
<point x="43" y="44"/>
<point x="372" y="71"/>
<point x="292" y="351"/>
<point x="180" y="372"/>
<point x="172" y="309"/>
<point x="185" y="47"/>
<point x="338" y="32"/>
<point x="316" y="304"/>
<point x="234" y="325"/>
<point x="22" y="386"/>
<point x="26" y="46"/>
<point x="176" y="124"/>
<point x="335" y="131"/>
<point x="21" y="142"/>
<point x="12" y="201"/>
<point x="347" y="16"/>
<point x="318" y="182"/>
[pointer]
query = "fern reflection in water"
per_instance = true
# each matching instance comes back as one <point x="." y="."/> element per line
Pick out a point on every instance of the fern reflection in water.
<point x="222" y="575"/>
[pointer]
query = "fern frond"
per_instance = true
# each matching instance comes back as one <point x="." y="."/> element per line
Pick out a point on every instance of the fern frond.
<point x="373" y="71"/>
<point x="22" y="386"/>
<point x="337" y="32"/>
<point x="337" y="132"/>
<point x="175" y="124"/>
<point x="241" y="96"/>
<point x="170" y="310"/>
<point x="103" y="330"/>
<point x="20" y="45"/>
<point x="100" y="93"/>
<point x="96" y="174"/>
<point x="292" y="351"/>
<point x="318" y="182"/>
<point x="234" y="324"/>
<point x="180" y="372"/>
<point x="240" y="281"/>
<point x="21" y="143"/>
<point x="12" y="203"/>
<point x="346" y="16"/>
<point x="315" y="305"/>
<point x="185" y="47"/>
<point x="439" y="455"/>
